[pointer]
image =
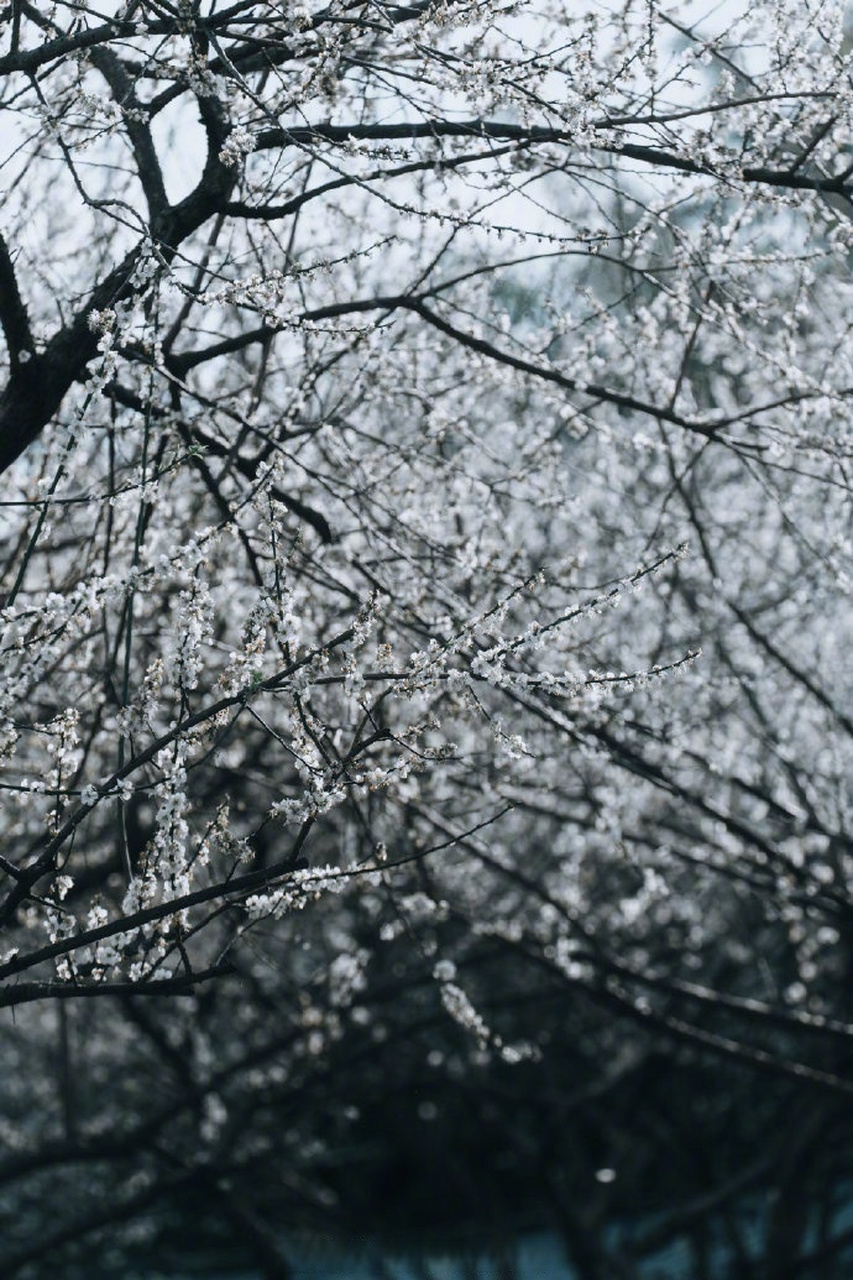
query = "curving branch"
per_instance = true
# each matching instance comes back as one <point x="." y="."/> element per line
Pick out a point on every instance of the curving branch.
<point x="148" y="168"/>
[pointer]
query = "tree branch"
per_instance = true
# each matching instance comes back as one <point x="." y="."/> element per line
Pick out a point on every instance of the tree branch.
<point x="147" y="165"/>
<point x="13" y="313"/>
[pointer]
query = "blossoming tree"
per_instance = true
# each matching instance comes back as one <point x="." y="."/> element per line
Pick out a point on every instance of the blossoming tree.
<point x="426" y="438"/>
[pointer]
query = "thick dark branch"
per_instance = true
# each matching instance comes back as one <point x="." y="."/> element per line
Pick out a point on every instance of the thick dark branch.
<point x="653" y="156"/>
<point x="16" y="25"/>
<point x="36" y="389"/>
<point x="33" y="394"/>
<point x="64" y="47"/>
<point x="13" y="313"/>
<point x="214" y="186"/>
<point x="183" y="362"/>
<point x="407" y="131"/>
<point x="182" y="985"/>
<point x="147" y="165"/>
<point x="222" y="891"/>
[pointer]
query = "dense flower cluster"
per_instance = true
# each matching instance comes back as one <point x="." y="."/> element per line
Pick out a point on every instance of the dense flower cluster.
<point x="426" y="583"/>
